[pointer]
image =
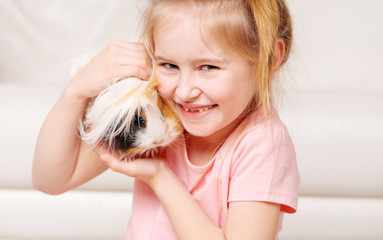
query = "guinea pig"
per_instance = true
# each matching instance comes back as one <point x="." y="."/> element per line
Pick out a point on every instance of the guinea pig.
<point x="130" y="117"/>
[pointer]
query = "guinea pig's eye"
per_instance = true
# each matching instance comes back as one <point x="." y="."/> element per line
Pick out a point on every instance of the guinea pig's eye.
<point x="141" y="121"/>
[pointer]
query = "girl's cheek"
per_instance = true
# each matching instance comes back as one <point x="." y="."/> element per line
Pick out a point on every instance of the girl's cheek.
<point x="167" y="97"/>
<point x="166" y="87"/>
<point x="161" y="89"/>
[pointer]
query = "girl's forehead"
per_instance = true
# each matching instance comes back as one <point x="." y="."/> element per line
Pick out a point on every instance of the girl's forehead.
<point x="217" y="30"/>
<point x="175" y="19"/>
<point x="179" y="38"/>
<point x="183" y="26"/>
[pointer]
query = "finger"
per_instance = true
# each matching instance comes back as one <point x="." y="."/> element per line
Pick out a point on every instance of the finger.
<point x="131" y="71"/>
<point x="105" y="150"/>
<point x="128" y="49"/>
<point x="115" y="50"/>
<point x="114" y="163"/>
<point x="140" y="61"/>
<point x="135" y="53"/>
<point x="135" y="46"/>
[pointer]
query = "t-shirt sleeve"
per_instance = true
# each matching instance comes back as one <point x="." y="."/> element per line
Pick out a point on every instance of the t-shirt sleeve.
<point x="264" y="167"/>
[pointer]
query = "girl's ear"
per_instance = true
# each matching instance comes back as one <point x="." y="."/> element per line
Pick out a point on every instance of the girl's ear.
<point x="279" y="53"/>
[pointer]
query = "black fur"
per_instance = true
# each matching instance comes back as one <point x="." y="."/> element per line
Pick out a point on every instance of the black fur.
<point x="127" y="138"/>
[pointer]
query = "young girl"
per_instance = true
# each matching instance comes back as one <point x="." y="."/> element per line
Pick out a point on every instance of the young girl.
<point x="234" y="173"/>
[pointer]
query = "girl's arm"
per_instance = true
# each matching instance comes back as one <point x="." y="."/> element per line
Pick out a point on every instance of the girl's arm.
<point x="252" y="220"/>
<point x="62" y="161"/>
<point x="246" y="220"/>
<point x="60" y="155"/>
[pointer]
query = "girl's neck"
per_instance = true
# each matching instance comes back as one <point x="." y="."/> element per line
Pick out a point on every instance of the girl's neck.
<point x="200" y="150"/>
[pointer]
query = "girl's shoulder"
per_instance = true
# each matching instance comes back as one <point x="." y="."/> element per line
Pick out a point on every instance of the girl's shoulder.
<point x="260" y="128"/>
<point x="259" y="139"/>
<point x="261" y="163"/>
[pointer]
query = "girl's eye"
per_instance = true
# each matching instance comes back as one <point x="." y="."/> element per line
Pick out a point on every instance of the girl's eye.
<point x="170" y="66"/>
<point x="208" y="67"/>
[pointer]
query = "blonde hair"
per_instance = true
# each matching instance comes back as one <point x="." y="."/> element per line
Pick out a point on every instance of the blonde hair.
<point x="248" y="28"/>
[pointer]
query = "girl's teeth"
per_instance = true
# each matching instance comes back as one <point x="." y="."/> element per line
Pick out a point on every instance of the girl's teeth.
<point x="196" y="110"/>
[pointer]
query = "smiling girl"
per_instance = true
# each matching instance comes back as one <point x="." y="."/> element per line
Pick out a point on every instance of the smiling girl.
<point x="234" y="173"/>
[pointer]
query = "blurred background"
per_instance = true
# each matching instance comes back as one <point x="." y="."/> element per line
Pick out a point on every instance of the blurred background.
<point x="332" y="104"/>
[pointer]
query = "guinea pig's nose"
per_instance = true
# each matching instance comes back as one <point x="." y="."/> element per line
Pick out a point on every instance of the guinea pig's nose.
<point x="158" y="142"/>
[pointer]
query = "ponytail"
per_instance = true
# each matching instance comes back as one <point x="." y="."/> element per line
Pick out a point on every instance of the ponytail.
<point x="272" y="21"/>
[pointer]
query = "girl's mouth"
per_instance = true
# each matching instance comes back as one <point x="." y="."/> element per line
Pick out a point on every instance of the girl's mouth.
<point x="200" y="109"/>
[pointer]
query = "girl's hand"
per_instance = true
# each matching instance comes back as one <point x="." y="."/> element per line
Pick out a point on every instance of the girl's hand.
<point x="146" y="169"/>
<point x="117" y="60"/>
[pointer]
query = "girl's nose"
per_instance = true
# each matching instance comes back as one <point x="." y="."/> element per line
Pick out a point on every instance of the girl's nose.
<point x="187" y="90"/>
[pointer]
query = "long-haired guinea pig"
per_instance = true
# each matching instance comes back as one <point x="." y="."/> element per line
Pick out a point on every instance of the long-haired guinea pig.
<point x="130" y="117"/>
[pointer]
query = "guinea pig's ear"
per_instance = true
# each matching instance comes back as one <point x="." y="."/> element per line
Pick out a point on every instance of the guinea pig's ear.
<point x="154" y="82"/>
<point x="160" y="103"/>
<point x="152" y="92"/>
<point x="153" y="85"/>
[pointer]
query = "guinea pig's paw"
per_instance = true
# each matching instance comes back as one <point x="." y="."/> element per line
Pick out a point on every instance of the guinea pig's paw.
<point x="125" y="158"/>
<point x="151" y="153"/>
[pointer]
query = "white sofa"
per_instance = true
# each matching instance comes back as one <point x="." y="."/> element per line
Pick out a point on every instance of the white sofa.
<point x="334" y="113"/>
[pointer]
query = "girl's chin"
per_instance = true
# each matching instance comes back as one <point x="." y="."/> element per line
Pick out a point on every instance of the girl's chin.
<point x="195" y="130"/>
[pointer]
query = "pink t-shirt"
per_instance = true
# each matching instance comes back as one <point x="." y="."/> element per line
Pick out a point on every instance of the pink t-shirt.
<point x="256" y="163"/>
